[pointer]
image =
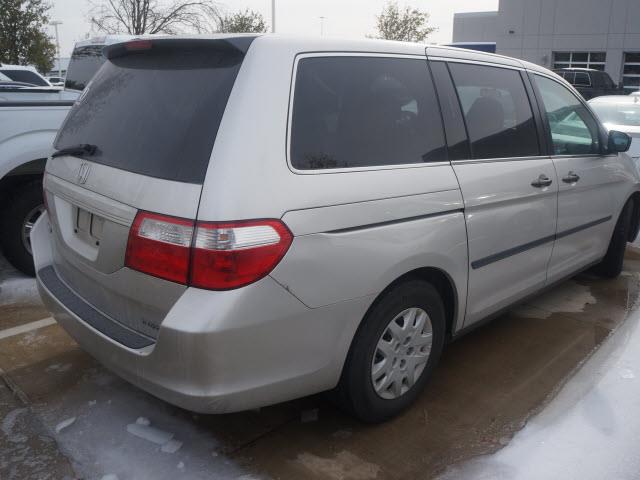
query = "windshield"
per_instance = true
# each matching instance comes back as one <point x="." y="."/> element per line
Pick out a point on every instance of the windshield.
<point x="618" y="113"/>
<point x="85" y="62"/>
<point x="26" y="76"/>
<point x="155" y="113"/>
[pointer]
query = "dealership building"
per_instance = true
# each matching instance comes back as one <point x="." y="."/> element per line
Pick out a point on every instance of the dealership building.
<point x="599" y="34"/>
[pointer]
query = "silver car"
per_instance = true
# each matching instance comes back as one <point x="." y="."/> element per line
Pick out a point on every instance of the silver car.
<point x="621" y="113"/>
<point x="236" y="221"/>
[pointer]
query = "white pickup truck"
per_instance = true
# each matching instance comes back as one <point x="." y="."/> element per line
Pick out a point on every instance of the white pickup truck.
<point x="29" y="121"/>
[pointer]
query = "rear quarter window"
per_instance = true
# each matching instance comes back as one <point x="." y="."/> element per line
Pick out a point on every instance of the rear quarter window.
<point x="351" y="112"/>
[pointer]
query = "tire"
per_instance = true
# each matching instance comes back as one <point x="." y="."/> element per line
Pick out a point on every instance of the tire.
<point x="356" y="391"/>
<point x="24" y="203"/>
<point x="611" y="264"/>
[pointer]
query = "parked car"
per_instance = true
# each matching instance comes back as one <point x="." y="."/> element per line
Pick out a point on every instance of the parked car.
<point x="56" y="81"/>
<point x="590" y="83"/>
<point x="622" y="114"/>
<point x="30" y="115"/>
<point x="225" y="249"/>
<point x="21" y="73"/>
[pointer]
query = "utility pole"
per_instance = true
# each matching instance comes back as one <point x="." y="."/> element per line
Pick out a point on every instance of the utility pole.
<point x="322" y="26"/>
<point x="273" y="16"/>
<point x="55" y="24"/>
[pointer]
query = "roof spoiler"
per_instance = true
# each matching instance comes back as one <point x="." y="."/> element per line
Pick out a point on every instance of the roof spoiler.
<point x="231" y="44"/>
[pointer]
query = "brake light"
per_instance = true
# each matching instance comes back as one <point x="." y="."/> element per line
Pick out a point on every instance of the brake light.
<point x="138" y="45"/>
<point x="209" y="255"/>
<point x="160" y="246"/>
<point x="231" y="255"/>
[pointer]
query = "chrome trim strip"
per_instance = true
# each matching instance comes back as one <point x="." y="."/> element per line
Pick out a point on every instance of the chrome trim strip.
<point x="483" y="262"/>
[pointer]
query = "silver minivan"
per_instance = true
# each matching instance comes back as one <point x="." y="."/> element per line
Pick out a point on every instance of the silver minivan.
<point x="236" y="221"/>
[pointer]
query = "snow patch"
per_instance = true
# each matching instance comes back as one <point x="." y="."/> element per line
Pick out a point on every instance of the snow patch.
<point x="172" y="446"/>
<point x="9" y="422"/>
<point x="627" y="373"/>
<point x="149" y="433"/>
<point x="143" y="421"/>
<point x="18" y="290"/>
<point x="109" y="476"/>
<point x="344" y="466"/>
<point x="56" y="367"/>
<point x="64" y="424"/>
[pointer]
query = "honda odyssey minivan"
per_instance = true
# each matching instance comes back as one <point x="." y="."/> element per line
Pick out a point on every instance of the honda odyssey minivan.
<point x="236" y="221"/>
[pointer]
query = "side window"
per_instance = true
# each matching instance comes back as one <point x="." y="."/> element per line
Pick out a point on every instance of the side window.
<point x="364" y="111"/>
<point x="582" y="79"/>
<point x="497" y="111"/>
<point x="574" y="131"/>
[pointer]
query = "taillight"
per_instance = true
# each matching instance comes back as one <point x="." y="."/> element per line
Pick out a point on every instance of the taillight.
<point x="160" y="246"/>
<point x="218" y="256"/>
<point x="230" y="255"/>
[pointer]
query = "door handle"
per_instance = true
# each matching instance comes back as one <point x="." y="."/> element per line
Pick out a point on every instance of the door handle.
<point x="571" y="178"/>
<point x="541" y="181"/>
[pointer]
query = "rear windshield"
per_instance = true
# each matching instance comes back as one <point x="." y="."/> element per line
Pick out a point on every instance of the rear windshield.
<point x="84" y="63"/>
<point x="26" y="76"/>
<point x="155" y="113"/>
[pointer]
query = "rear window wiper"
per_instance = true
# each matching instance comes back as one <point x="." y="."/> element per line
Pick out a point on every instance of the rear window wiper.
<point x="86" y="149"/>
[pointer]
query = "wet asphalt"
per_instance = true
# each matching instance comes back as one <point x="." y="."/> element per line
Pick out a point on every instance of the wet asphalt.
<point x="488" y="385"/>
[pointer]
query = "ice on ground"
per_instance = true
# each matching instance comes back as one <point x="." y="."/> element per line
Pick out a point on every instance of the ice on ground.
<point x="143" y="421"/>
<point x="172" y="446"/>
<point x="9" y="422"/>
<point x="149" y="433"/>
<point x="570" y="297"/>
<point x="64" y="424"/>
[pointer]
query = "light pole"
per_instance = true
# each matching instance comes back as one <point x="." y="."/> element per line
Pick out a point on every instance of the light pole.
<point x="55" y="24"/>
<point x="322" y="26"/>
<point x="273" y="16"/>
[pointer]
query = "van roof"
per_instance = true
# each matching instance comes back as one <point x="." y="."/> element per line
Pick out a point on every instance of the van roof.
<point x="314" y="44"/>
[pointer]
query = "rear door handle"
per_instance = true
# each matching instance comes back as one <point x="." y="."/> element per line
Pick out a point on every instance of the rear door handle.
<point x="571" y="178"/>
<point x="541" y="181"/>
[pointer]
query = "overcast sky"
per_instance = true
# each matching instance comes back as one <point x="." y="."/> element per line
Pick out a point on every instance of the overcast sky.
<point x="343" y="18"/>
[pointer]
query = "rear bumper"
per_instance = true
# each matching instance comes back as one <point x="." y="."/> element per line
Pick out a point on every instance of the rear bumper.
<point x="219" y="352"/>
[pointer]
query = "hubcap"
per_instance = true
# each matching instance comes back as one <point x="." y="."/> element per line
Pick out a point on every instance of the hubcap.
<point x="402" y="353"/>
<point x="27" y="226"/>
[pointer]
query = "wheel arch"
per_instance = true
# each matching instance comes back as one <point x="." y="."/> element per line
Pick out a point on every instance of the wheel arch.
<point x="635" y="217"/>
<point x="443" y="283"/>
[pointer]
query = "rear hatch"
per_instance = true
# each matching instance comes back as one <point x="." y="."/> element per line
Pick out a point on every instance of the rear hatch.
<point x="139" y="138"/>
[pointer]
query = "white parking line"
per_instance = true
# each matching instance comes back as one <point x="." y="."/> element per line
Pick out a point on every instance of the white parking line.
<point x="27" y="327"/>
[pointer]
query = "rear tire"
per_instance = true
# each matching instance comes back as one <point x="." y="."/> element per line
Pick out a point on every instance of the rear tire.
<point x="22" y="207"/>
<point x="611" y="264"/>
<point x="359" y="391"/>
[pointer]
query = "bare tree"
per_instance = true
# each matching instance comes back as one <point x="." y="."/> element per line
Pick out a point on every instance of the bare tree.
<point x="243" y="22"/>
<point x="137" y="17"/>
<point x="407" y="24"/>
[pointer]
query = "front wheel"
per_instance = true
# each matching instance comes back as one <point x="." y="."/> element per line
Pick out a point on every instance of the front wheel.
<point x="23" y="207"/>
<point x="394" y="352"/>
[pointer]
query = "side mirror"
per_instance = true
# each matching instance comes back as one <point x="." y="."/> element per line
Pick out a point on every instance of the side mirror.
<point x="619" y="141"/>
